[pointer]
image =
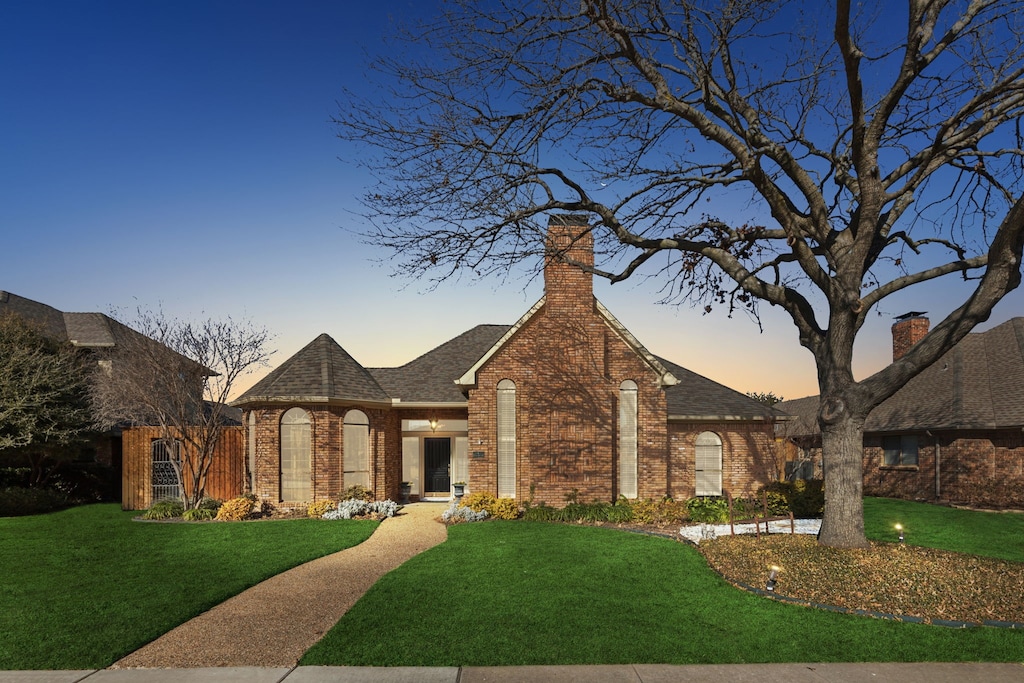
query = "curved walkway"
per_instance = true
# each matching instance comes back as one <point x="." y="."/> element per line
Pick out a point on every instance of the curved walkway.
<point x="273" y="623"/>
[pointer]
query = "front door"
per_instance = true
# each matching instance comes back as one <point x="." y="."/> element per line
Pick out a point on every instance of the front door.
<point x="437" y="463"/>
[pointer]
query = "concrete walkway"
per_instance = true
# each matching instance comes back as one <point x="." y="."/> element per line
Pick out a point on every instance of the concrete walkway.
<point x="273" y="623"/>
<point x="638" y="673"/>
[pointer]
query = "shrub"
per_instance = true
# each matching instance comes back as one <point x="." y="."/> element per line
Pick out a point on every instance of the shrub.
<point x="481" y="500"/>
<point x="708" y="510"/>
<point x="804" y="497"/>
<point x="16" y="501"/>
<point x="540" y="513"/>
<point x="199" y="514"/>
<point x="354" y="507"/>
<point x="236" y="509"/>
<point x="318" y="509"/>
<point x="659" y="512"/>
<point x="357" y="492"/>
<point x="455" y="514"/>
<point x="504" y="508"/>
<point x="210" y="504"/>
<point x="164" y="509"/>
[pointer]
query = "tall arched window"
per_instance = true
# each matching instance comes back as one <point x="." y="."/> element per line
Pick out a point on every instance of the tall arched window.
<point x="506" y="439"/>
<point x="627" y="439"/>
<point x="708" y="466"/>
<point x="356" y="445"/>
<point x="295" y="456"/>
<point x="251" y="444"/>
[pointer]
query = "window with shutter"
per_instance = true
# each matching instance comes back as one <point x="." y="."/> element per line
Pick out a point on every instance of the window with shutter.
<point x="295" y="456"/>
<point x="708" y="465"/>
<point x="506" y="439"/>
<point x="628" y="439"/>
<point x="356" y="449"/>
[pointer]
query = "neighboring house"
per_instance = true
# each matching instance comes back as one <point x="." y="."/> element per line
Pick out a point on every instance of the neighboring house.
<point x="564" y="403"/>
<point x="953" y="433"/>
<point x="137" y="456"/>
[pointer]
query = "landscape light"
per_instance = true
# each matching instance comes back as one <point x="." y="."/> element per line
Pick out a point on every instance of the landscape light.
<point x="899" y="528"/>
<point x="773" y="575"/>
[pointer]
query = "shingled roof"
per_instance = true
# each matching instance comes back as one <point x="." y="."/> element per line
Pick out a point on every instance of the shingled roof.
<point x="321" y="371"/>
<point x="696" y="397"/>
<point x="431" y="377"/>
<point x="978" y="384"/>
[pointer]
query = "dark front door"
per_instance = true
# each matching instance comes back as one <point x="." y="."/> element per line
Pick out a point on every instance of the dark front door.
<point x="437" y="461"/>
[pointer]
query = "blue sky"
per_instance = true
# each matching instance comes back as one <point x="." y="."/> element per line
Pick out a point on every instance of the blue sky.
<point x="180" y="155"/>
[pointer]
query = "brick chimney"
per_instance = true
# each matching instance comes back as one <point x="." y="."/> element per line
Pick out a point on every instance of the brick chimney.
<point x="567" y="286"/>
<point x="908" y="329"/>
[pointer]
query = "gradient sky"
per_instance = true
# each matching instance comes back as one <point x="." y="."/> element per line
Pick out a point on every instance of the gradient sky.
<point x="180" y="155"/>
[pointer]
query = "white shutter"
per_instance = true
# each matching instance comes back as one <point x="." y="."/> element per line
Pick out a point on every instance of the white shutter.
<point x="628" y="439"/>
<point x="506" y="439"/>
<point x="708" y="465"/>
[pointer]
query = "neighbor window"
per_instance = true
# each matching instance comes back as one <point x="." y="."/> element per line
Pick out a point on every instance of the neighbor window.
<point x="506" y="439"/>
<point x="627" y="439"/>
<point x="708" y="465"/>
<point x="295" y="456"/>
<point x="899" y="450"/>
<point x="356" y="453"/>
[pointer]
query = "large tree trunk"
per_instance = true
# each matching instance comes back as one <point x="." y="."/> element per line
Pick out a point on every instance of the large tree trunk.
<point x="842" y="447"/>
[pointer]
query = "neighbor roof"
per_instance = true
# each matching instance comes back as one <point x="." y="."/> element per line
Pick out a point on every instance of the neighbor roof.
<point x="978" y="384"/>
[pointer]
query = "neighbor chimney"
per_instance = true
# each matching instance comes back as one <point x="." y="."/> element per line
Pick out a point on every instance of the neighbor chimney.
<point x="569" y="242"/>
<point x="908" y="329"/>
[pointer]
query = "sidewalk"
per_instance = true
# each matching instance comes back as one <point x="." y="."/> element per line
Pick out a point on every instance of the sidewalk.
<point x="639" y="673"/>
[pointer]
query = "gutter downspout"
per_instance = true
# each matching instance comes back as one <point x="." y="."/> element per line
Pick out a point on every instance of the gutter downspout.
<point x="938" y="466"/>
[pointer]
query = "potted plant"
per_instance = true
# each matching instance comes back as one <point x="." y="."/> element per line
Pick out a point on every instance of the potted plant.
<point x="404" y="488"/>
<point x="460" y="489"/>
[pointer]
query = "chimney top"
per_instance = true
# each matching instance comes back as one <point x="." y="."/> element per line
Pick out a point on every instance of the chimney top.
<point x="908" y="329"/>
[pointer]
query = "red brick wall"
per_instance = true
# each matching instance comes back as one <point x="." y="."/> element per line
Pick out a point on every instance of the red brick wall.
<point x="906" y="333"/>
<point x="750" y="456"/>
<point x="984" y="468"/>
<point x="327" y="463"/>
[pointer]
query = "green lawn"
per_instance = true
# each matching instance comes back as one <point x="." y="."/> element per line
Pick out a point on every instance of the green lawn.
<point x="514" y="593"/>
<point x="83" y="587"/>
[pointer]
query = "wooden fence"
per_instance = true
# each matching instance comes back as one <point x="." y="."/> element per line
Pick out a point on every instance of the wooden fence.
<point x="225" y="480"/>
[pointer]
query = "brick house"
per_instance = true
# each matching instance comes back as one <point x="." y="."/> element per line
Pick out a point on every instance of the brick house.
<point x="563" y="402"/>
<point x="134" y="457"/>
<point x="953" y="433"/>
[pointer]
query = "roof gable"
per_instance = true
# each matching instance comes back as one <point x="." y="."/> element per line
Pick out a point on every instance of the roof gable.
<point x="321" y="371"/>
<point x="665" y="377"/>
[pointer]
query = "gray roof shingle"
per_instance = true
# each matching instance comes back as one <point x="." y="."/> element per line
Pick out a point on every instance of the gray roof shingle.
<point x="431" y="377"/>
<point x="321" y="371"/>
<point x="978" y="384"/>
<point x="698" y="397"/>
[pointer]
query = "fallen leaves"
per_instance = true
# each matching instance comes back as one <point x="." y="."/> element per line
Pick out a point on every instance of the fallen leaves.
<point x="887" y="577"/>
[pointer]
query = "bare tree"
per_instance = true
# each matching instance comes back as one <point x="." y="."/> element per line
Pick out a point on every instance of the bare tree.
<point x="812" y="155"/>
<point x="178" y="375"/>
<point x="44" y="408"/>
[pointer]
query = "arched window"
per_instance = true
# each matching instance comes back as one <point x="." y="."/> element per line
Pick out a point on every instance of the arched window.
<point x="708" y="466"/>
<point x="627" y="439"/>
<point x="356" y="445"/>
<point x="506" y="439"/>
<point x="251" y="443"/>
<point x="295" y="456"/>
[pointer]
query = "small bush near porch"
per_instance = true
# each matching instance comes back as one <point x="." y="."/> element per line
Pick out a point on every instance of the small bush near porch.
<point x="83" y="587"/>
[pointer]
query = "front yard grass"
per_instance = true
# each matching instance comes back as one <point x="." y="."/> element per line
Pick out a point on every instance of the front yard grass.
<point x="83" y="587"/>
<point x="517" y="593"/>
